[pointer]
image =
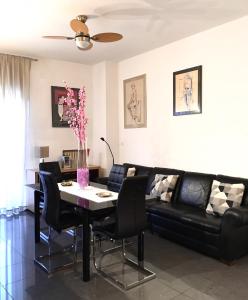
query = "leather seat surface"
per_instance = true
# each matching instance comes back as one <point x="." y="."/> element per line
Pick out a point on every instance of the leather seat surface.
<point x="187" y="215"/>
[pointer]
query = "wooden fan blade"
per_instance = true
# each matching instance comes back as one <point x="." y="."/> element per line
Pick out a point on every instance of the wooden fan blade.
<point x="88" y="48"/>
<point x="58" y="37"/>
<point x="79" y="26"/>
<point x="107" y="37"/>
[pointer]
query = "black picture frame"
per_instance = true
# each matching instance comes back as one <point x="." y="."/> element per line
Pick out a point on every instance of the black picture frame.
<point x="59" y="108"/>
<point x="187" y="91"/>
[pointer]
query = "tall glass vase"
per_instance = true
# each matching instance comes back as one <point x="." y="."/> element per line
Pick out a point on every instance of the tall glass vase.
<point x="82" y="166"/>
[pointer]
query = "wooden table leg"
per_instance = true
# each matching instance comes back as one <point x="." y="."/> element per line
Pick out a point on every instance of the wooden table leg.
<point x="86" y="246"/>
<point x="37" y="216"/>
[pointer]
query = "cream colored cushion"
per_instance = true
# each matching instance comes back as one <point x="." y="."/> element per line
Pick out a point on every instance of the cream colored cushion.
<point x="131" y="172"/>
<point x="224" y="196"/>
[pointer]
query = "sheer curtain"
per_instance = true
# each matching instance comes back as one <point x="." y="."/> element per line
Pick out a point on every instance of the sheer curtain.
<point x="14" y="101"/>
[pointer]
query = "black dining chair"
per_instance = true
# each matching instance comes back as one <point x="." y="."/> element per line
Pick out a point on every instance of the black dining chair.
<point x="115" y="178"/>
<point x="57" y="218"/>
<point x="129" y="220"/>
<point x="52" y="167"/>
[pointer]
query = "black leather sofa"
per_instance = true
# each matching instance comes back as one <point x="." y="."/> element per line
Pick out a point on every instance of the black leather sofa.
<point x="185" y="220"/>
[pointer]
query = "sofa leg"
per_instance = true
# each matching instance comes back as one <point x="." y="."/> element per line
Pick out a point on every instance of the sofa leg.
<point x="228" y="262"/>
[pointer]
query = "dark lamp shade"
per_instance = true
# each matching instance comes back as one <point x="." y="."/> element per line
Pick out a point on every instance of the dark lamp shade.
<point x="44" y="151"/>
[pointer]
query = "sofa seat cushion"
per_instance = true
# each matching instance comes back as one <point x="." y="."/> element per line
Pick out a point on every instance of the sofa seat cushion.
<point x="188" y="215"/>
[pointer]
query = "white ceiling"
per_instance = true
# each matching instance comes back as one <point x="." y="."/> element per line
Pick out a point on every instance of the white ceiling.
<point x="145" y="25"/>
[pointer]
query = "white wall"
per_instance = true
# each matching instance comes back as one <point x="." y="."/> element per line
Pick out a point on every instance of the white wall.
<point x="104" y="114"/>
<point x="214" y="141"/>
<point x="44" y="74"/>
<point x="99" y="114"/>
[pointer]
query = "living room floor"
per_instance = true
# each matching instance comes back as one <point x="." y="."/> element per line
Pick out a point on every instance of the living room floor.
<point x="181" y="272"/>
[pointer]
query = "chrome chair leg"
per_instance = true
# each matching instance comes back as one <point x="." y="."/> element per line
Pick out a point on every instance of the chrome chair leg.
<point x="39" y="260"/>
<point x="75" y="245"/>
<point x="147" y="274"/>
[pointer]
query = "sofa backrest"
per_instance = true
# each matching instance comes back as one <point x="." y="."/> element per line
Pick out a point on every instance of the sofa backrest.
<point x="229" y="179"/>
<point x="195" y="189"/>
<point x="141" y="171"/>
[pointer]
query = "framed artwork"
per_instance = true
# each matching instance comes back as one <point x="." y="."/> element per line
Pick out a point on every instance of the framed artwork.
<point x="135" y="102"/>
<point x="187" y="91"/>
<point x="59" y="108"/>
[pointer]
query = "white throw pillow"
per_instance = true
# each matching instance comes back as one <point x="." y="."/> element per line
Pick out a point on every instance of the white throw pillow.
<point x="131" y="172"/>
<point x="163" y="186"/>
<point x="224" y="196"/>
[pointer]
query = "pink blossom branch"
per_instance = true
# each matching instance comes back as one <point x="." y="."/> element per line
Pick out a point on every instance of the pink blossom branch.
<point x="76" y="115"/>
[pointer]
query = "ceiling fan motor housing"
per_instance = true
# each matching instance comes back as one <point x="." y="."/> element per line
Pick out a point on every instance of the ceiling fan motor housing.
<point x="82" y="41"/>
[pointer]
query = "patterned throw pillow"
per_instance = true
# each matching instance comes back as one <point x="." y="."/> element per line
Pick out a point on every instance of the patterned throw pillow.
<point x="224" y="196"/>
<point x="163" y="186"/>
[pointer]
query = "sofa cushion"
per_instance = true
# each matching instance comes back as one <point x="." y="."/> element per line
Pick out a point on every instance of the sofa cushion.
<point x="187" y="215"/>
<point x="224" y="196"/>
<point x="164" y="171"/>
<point x="194" y="189"/>
<point x="131" y="172"/>
<point x="163" y="186"/>
<point x="230" y="179"/>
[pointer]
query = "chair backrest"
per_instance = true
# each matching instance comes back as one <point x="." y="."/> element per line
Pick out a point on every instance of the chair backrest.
<point x="52" y="167"/>
<point x="116" y="176"/>
<point x="130" y="210"/>
<point x="52" y="200"/>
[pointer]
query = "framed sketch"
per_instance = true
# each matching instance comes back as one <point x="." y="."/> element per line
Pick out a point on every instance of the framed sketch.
<point x="135" y="102"/>
<point x="59" y="108"/>
<point x="187" y="91"/>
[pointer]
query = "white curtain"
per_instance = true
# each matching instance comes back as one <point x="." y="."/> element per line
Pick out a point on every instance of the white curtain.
<point x="14" y="103"/>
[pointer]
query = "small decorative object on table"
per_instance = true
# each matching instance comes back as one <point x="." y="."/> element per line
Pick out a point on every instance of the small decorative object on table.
<point x="77" y="120"/>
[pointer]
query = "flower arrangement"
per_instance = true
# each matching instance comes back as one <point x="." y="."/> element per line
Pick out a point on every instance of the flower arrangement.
<point x="76" y="113"/>
<point x="78" y="121"/>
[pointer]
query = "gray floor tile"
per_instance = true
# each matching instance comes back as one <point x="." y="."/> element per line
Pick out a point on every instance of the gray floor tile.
<point x="154" y="289"/>
<point x="182" y="274"/>
<point x="183" y="297"/>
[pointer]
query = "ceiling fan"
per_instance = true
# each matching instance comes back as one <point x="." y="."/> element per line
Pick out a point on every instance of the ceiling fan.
<point x="82" y="37"/>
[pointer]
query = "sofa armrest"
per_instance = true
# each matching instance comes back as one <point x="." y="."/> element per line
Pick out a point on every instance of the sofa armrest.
<point x="235" y="217"/>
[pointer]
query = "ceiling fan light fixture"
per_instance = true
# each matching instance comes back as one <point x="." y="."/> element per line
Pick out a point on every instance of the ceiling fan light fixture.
<point x="82" y="38"/>
<point x="83" y="41"/>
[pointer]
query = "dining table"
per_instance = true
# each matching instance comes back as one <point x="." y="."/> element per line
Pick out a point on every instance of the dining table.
<point x="94" y="200"/>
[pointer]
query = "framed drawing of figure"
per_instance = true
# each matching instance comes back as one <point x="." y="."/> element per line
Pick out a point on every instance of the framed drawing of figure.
<point x="135" y="102"/>
<point x="59" y="107"/>
<point x="187" y="91"/>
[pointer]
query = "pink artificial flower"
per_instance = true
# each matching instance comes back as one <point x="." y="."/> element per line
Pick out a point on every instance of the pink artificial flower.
<point x="76" y="114"/>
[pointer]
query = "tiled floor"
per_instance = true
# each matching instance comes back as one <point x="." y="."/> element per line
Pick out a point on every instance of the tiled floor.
<point x="181" y="273"/>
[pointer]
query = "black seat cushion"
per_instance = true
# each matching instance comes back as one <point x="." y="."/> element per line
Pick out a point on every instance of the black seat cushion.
<point x="187" y="215"/>
<point x="106" y="226"/>
<point x="68" y="218"/>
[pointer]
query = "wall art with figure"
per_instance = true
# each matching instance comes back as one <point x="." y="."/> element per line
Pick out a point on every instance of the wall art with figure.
<point x="59" y="107"/>
<point x="135" y="102"/>
<point x="187" y="91"/>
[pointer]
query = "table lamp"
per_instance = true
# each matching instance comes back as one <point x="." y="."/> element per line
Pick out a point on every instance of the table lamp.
<point x="44" y="152"/>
